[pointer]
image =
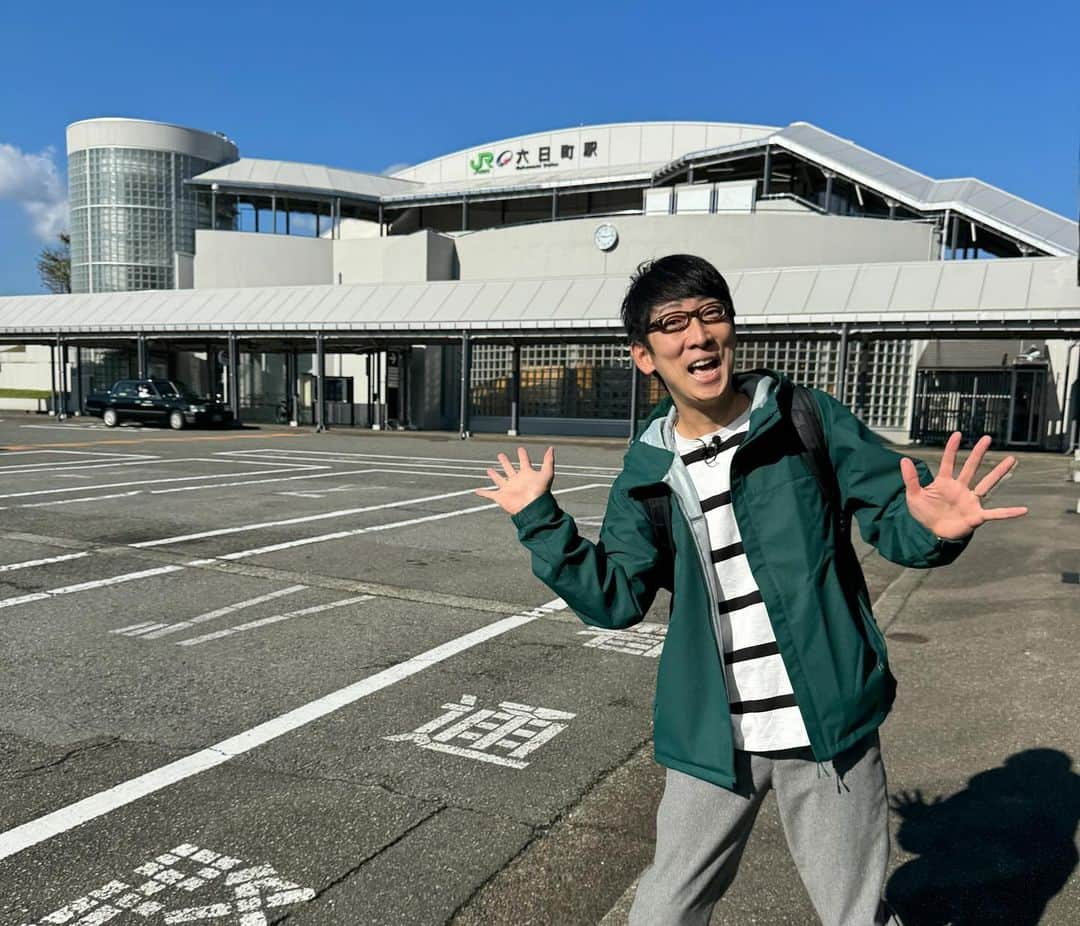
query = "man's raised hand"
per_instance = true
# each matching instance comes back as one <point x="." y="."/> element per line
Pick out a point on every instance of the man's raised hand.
<point x="514" y="490"/>
<point x="947" y="506"/>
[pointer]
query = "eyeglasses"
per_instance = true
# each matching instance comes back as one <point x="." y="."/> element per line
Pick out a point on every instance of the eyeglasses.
<point x="674" y="322"/>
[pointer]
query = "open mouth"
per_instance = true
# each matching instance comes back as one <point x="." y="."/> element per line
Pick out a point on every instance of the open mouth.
<point x="704" y="369"/>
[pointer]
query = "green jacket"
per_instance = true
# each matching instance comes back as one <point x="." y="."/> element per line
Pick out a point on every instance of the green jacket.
<point x="811" y="583"/>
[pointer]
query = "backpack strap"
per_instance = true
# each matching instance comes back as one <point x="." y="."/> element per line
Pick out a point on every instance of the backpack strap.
<point x="805" y="417"/>
<point x="658" y="508"/>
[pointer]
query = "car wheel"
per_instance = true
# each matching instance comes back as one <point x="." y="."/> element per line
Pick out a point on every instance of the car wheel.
<point x="176" y="421"/>
<point x="110" y="418"/>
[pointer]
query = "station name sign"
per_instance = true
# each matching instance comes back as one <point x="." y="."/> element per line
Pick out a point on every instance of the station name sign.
<point x="536" y="158"/>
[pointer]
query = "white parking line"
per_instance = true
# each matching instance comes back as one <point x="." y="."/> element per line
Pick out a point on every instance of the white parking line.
<point x="88" y="498"/>
<point x="282" y="468"/>
<point x="86" y="586"/>
<point x="97" y="805"/>
<point x="474" y="474"/>
<point x="340" y="535"/>
<point x="243" y="554"/>
<point x="474" y="471"/>
<point x="340" y="513"/>
<point x="118" y="454"/>
<point x="220" y="612"/>
<point x="253" y="482"/>
<point x="138" y="629"/>
<point x="131" y="628"/>
<point x="386" y="457"/>
<point x="263" y="621"/>
<point x="57" y="466"/>
<point x="30" y="563"/>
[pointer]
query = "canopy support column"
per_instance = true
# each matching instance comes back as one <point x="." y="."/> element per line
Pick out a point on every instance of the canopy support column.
<point x="515" y="391"/>
<point x="62" y="357"/>
<point x="320" y="383"/>
<point x="633" y="401"/>
<point x="842" y="362"/>
<point x="141" y="362"/>
<point x="405" y="366"/>
<point x="466" y="375"/>
<point x="234" y="377"/>
<point x="828" y="192"/>
<point x="52" y="376"/>
<point x="213" y="374"/>
<point x="78" y="381"/>
<point x="376" y="390"/>
<point x="767" y="173"/>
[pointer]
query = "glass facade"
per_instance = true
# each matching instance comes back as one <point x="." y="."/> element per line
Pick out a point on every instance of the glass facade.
<point x="130" y="211"/>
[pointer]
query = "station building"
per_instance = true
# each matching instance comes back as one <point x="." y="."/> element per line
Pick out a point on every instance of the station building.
<point x="479" y="291"/>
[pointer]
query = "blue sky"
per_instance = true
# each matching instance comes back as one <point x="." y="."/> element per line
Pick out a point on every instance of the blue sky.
<point x="987" y="90"/>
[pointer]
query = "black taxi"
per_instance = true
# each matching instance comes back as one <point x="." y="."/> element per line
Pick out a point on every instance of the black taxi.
<point x="160" y="401"/>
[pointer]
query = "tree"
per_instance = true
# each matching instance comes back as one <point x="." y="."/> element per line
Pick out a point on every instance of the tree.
<point x="54" y="265"/>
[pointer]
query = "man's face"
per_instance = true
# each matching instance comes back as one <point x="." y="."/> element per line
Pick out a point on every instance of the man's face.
<point x="696" y="364"/>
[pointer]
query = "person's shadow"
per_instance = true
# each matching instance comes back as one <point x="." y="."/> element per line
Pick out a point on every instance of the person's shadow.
<point x="994" y="853"/>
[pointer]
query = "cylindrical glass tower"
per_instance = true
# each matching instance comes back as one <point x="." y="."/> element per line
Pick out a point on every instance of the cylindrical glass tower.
<point x="130" y="209"/>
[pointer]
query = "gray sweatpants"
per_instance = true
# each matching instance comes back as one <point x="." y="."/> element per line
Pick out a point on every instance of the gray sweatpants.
<point x="835" y="816"/>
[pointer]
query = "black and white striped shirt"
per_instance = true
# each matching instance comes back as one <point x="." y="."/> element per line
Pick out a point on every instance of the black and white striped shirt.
<point x="763" y="710"/>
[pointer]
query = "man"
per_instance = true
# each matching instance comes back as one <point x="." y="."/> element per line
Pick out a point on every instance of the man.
<point x="774" y="673"/>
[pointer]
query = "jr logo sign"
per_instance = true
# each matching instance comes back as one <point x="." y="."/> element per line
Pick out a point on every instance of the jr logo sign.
<point x="481" y="164"/>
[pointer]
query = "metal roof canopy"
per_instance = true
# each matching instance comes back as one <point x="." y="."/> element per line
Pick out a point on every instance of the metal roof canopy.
<point x="296" y="177"/>
<point x="967" y="197"/>
<point x="939" y="298"/>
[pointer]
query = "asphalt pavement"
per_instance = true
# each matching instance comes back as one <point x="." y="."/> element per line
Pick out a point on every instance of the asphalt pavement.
<point x="268" y="676"/>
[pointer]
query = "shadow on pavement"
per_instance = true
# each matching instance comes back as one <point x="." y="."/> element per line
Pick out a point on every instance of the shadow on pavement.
<point x="994" y="853"/>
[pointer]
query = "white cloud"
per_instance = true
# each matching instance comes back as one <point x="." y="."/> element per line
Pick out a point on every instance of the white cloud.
<point x="33" y="181"/>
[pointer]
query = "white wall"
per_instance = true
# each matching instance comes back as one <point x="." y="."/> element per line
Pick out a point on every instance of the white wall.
<point x="25" y="367"/>
<point x="183" y="270"/>
<point x="424" y="255"/>
<point x="225" y="259"/>
<point x="566" y="248"/>
<point x="1061" y="385"/>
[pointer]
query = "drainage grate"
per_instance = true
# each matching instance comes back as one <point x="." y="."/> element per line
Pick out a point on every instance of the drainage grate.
<point x="1072" y="578"/>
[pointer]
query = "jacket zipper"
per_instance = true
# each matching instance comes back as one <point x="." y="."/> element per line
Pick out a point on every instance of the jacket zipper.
<point x="709" y="575"/>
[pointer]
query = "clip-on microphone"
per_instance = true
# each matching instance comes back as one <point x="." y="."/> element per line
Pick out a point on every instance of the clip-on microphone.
<point x="713" y="448"/>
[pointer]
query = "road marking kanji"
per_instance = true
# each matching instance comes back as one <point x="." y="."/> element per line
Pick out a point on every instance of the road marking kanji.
<point x="185" y="868"/>
<point x="517" y="729"/>
<point x="643" y="640"/>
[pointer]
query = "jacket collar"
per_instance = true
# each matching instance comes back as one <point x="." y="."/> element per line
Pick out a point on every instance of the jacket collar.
<point x="650" y="456"/>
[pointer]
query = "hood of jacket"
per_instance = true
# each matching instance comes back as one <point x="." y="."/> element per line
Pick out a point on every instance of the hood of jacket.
<point x="649" y="457"/>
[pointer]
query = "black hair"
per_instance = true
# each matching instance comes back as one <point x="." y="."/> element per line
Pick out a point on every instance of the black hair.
<point x="669" y="279"/>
